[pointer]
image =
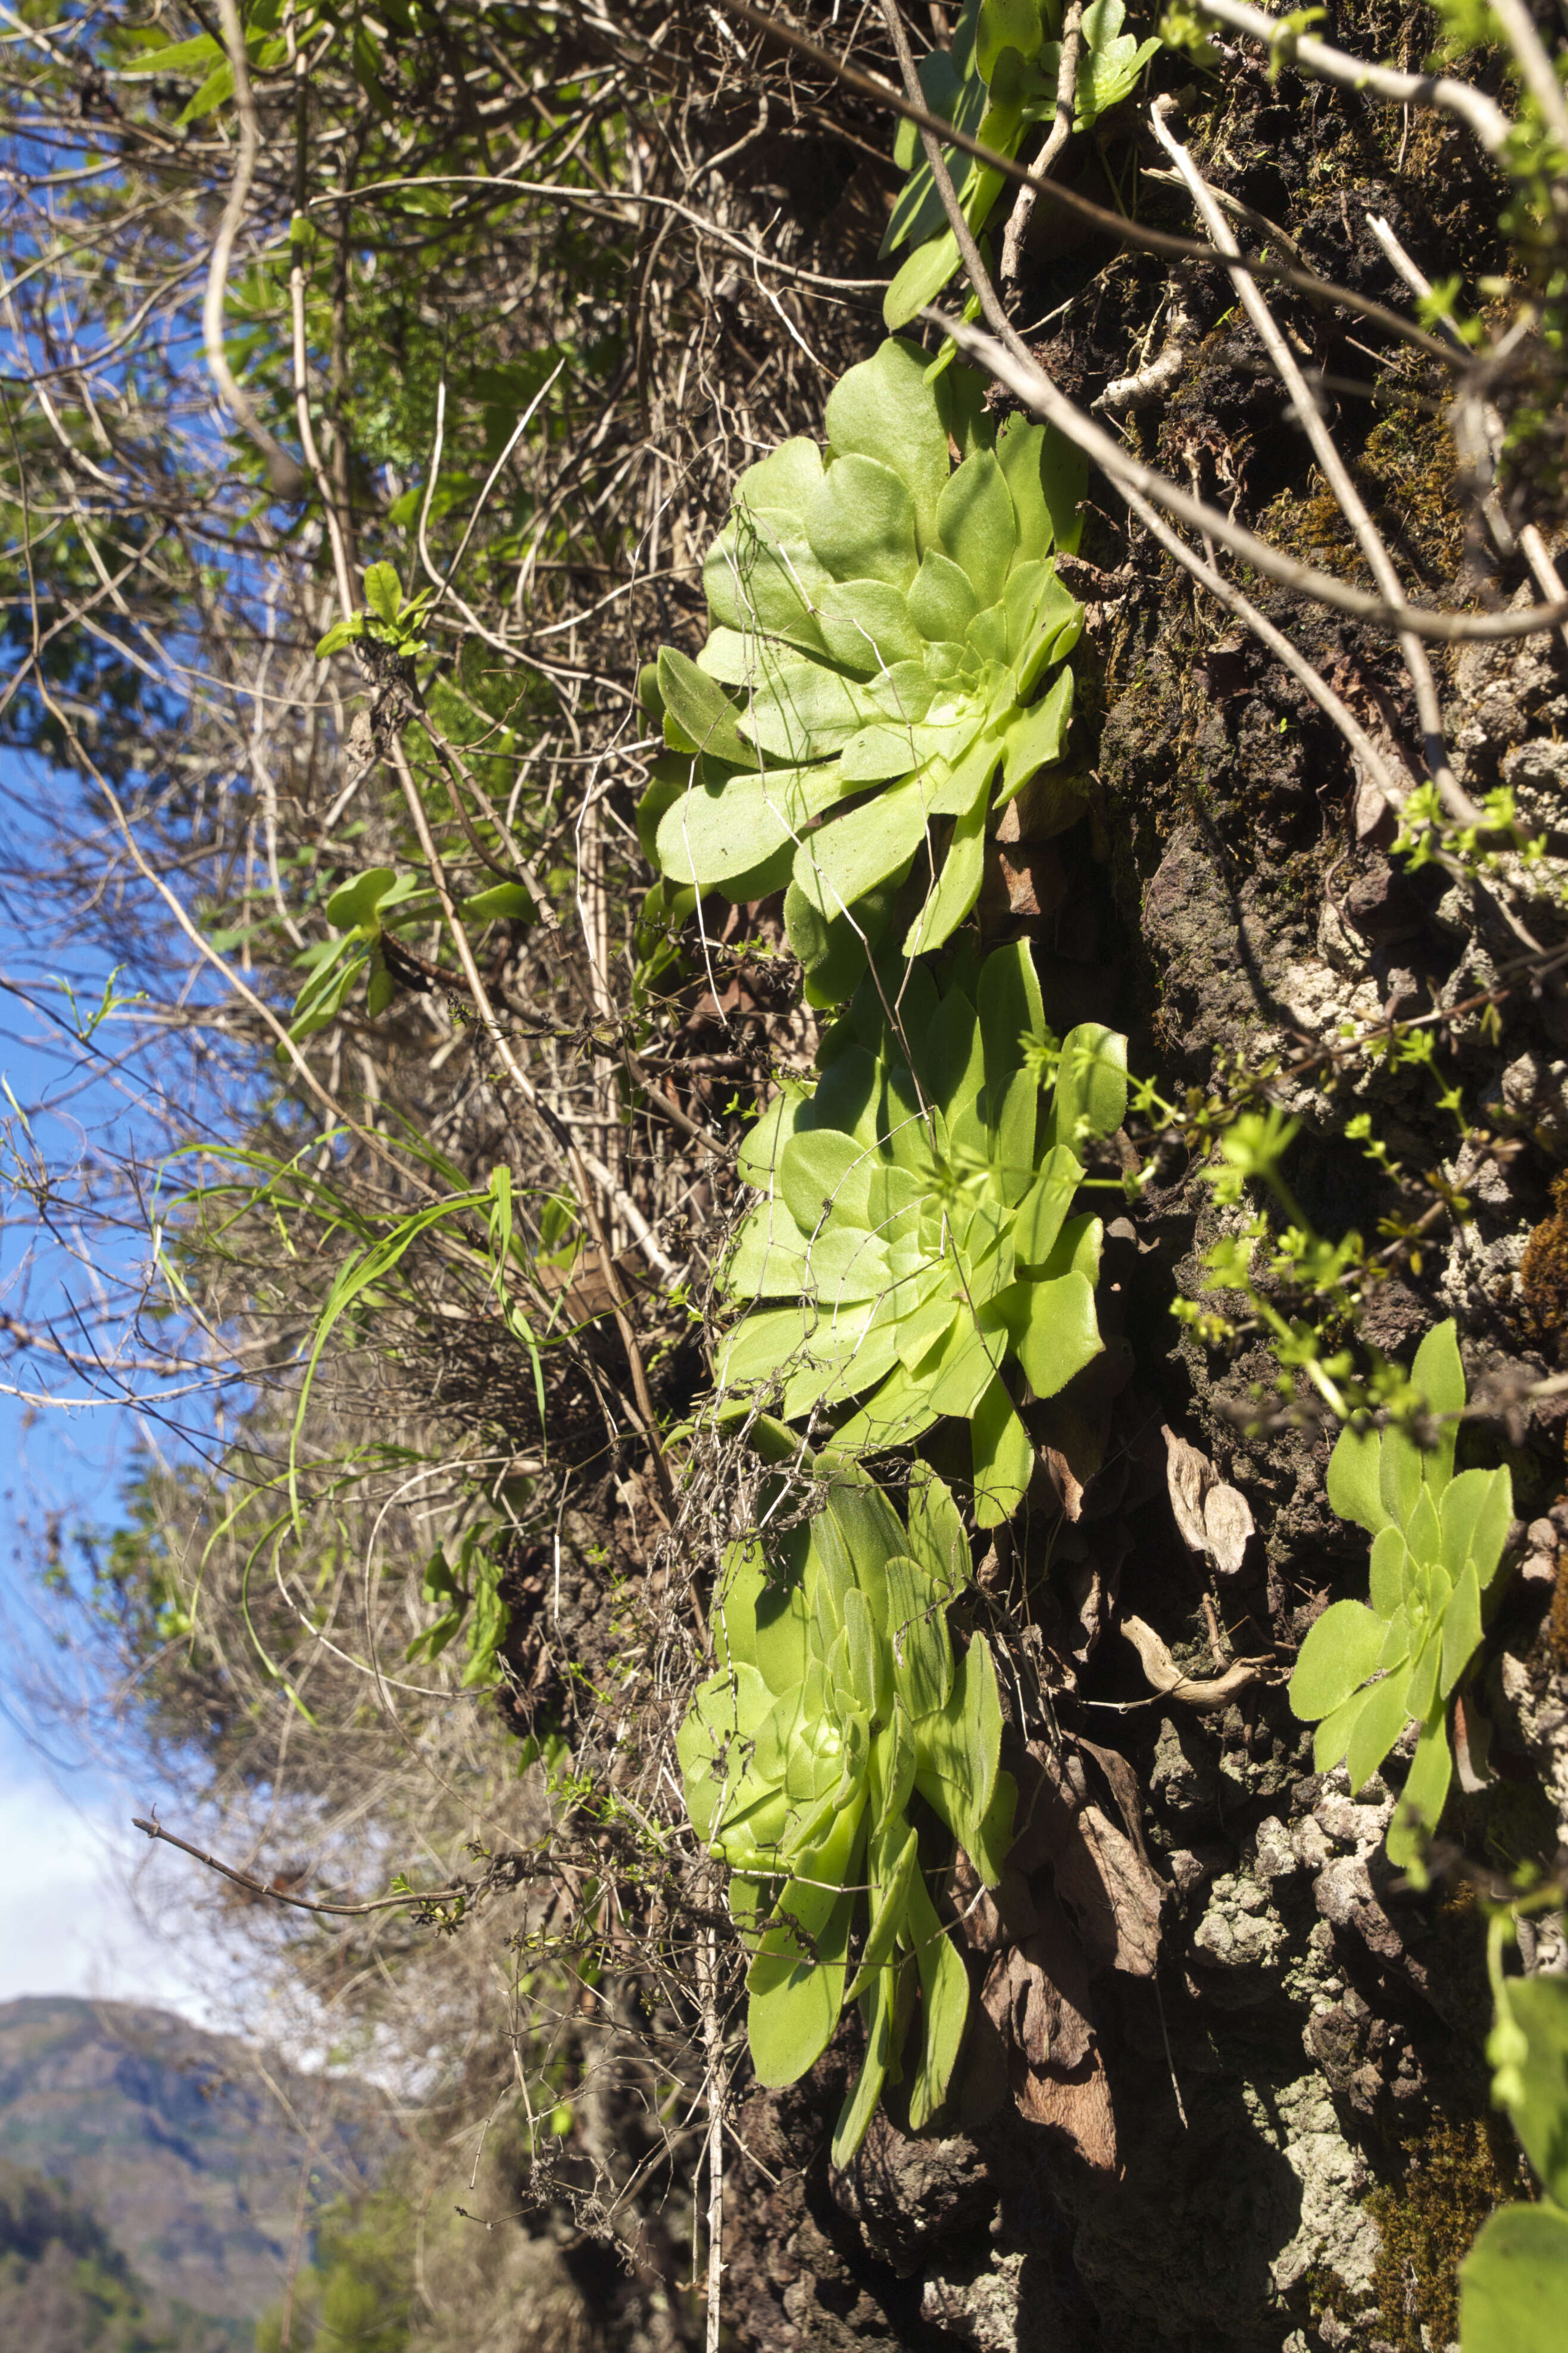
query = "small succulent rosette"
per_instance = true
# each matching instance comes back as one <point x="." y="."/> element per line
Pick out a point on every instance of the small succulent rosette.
<point x="917" y="1252"/>
<point x="1366" y="1672"/>
<point x="886" y="668"/>
<point x="839" y="1696"/>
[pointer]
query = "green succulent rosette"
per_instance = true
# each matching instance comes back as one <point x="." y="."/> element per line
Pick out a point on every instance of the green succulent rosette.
<point x="998" y="78"/>
<point x="915" y="1251"/>
<point x="1368" y="1669"/>
<point x="885" y="667"/>
<point x="838" y="1698"/>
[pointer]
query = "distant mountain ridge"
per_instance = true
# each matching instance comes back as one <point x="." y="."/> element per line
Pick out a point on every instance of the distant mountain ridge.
<point x="189" y="2149"/>
<point x="65" y="2287"/>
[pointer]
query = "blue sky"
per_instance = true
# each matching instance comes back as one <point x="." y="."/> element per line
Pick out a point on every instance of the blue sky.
<point x="90" y="1909"/>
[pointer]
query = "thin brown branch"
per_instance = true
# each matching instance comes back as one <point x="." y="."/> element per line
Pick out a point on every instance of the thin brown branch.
<point x="154" y="1829"/>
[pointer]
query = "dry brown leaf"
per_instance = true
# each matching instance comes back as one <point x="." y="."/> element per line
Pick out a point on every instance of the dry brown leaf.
<point x="1213" y="1518"/>
<point x="1036" y="1994"/>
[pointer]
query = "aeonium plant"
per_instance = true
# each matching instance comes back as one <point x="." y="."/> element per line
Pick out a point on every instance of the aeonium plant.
<point x="888" y="636"/>
<point x="838" y="1698"/>
<point x="915" y="1252"/>
<point x="998" y="77"/>
<point x="1368" y="1669"/>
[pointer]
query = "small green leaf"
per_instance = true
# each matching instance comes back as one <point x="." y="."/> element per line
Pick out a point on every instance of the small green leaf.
<point x="1513" y="2284"/>
<point x="1424" y="1794"/>
<point x="1378" y="1727"/>
<point x="944" y="2004"/>
<point x="510" y="902"/>
<point x="1340" y="1652"/>
<point x="1355" y="1489"/>
<point x="341" y="633"/>
<point x="384" y="592"/>
<point x="181" y="58"/>
<point x="1538" y="2006"/>
<point x="355" y="904"/>
<point x="382" y="987"/>
<point x="1438" y="1379"/>
<point x="215" y="91"/>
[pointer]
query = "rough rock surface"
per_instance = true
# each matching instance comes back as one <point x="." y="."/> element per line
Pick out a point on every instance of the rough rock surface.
<point x="1230" y="896"/>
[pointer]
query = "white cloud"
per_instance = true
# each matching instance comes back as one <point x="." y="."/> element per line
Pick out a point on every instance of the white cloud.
<point x="82" y="1908"/>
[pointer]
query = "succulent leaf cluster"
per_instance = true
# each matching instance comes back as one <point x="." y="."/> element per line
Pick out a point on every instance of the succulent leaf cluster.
<point x="839" y="1696"/>
<point x="883" y="621"/>
<point x="1364" y="1672"/>
<point x="916" y="1249"/>
<point x="998" y="78"/>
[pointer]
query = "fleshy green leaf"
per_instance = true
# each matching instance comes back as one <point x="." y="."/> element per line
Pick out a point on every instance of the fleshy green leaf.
<point x="1036" y="736"/>
<point x="884" y="409"/>
<point x="1378" y="1727"/>
<point x="1461" y="1629"/>
<point x="1091" y="1084"/>
<point x="699" y="712"/>
<point x="1342" y="1650"/>
<point x="1426" y="1791"/>
<point x="862" y="523"/>
<point x="1333" y="1736"/>
<point x="1513" y="2284"/>
<point x="1355" y="1489"/>
<point x="877" y="2000"/>
<point x="1538" y="2006"/>
<point x="1475" y="1516"/>
<point x="977" y="526"/>
<point x="957" y="1750"/>
<point x="1059" y="1333"/>
<point x="1003" y="1453"/>
<point x="1438" y="1378"/>
<point x="944" y="2006"/>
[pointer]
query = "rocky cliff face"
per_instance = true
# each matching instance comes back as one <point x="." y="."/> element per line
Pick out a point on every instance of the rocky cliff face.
<point x="1302" y="2144"/>
<point x="195" y="2154"/>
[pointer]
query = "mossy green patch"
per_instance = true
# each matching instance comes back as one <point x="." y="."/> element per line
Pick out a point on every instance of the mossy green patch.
<point x="1457" y="2175"/>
